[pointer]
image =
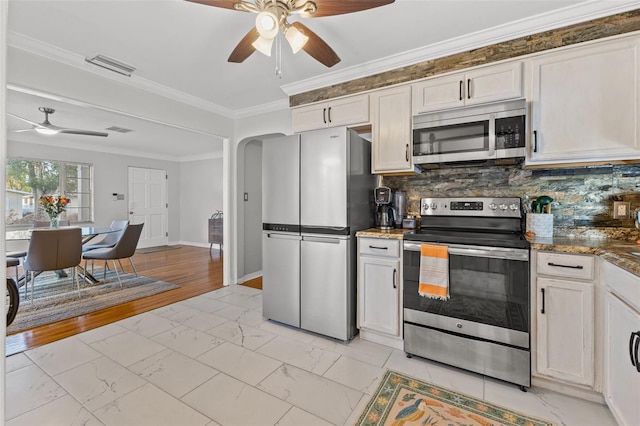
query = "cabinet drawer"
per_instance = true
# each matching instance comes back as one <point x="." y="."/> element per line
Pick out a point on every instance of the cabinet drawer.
<point x="380" y="247"/>
<point x="623" y="283"/>
<point x="566" y="265"/>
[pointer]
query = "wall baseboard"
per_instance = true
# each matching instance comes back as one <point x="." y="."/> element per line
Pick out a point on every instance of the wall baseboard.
<point x="191" y="243"/>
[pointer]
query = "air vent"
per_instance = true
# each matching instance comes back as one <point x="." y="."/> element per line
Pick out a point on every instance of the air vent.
<point x="111" y="65"/>
<point x="119" y="129"/>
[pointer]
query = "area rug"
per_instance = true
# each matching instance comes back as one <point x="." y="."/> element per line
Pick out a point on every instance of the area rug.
<point x="403" y="400"/>
<point x="56" y="298"/>
<point x="156" y="249"/>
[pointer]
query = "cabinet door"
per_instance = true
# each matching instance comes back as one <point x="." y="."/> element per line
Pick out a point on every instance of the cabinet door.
<point x="391" y="130"/>
<point x="348" y="111"/>
<point x="309" y="117"/>
<point x="585" y="104"/>
<point x="438" y="93"/>
<point x="493" y="83"/>
<point x="565" y="320"/>
<point x="378" y="295"/>
<point x="621" y="377"/>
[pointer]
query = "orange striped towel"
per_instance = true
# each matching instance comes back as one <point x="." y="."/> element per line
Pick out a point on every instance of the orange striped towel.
<point x="434" y="272"/>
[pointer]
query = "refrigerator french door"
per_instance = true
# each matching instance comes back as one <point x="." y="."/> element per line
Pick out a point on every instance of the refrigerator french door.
<point x="281" y="277"/>
<point x="281" y="230"/>
<point x="326" y="299"/>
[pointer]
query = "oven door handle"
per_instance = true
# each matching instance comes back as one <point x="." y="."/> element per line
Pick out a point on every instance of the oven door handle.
<point x="475" y="251"/>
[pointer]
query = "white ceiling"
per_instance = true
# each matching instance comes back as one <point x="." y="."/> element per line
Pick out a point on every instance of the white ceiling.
<point x="181" y="49"/>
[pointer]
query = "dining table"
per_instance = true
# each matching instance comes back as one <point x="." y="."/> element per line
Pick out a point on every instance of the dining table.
<point x="88" y="233"/>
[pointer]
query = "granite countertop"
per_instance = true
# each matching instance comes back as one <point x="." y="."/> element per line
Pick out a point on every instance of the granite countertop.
<point x="394" y="234"/>
<point x="614" y="251"/>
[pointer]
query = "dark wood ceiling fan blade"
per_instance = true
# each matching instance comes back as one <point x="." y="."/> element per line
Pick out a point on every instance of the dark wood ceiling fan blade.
<point x="244" y="49"/>
<point x="339" y="7"/>
<point x="317" y="47"/>
<point x="226" y="4"/>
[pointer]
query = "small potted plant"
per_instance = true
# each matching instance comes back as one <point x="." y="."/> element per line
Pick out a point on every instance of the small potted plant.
<point x="54" y="206"/>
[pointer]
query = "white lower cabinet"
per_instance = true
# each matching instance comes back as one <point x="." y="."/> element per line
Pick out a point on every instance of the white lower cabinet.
<point x="622" y="345"/>
<point x="565" y="331"/>
<point x="565" y="319"/>
<point x="379" y="291"/>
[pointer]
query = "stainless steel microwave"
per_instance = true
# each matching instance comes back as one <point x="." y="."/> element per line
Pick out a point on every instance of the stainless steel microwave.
<point x="477" y="133"/>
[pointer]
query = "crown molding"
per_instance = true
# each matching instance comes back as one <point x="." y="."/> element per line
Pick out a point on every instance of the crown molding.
<point x="570" y="15"/>
<point x="263" y="109"/>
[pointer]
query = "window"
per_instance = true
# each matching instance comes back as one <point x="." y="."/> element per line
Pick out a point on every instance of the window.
<point x="28" y="180"/>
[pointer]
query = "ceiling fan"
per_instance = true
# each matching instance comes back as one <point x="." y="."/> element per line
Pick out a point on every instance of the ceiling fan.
<point x="272" y="18"/>
<point x="46" y="128"/>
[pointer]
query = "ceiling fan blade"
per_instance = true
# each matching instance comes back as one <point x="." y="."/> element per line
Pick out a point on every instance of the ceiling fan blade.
<point x="226" y="4"/>
<point x="83" y="132"/>
<point x="244" y="49"/>
<point x="339" y="7"/>
<point x="33" y="123"/>
<point x="317" y="47"/>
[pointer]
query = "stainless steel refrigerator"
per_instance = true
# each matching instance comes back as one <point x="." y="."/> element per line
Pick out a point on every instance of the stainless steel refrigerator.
<point x="317" y="193"/>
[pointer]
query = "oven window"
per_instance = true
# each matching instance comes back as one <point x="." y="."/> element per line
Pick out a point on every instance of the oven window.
<point x="457" y="138"/>
<point x="484" y="290"/>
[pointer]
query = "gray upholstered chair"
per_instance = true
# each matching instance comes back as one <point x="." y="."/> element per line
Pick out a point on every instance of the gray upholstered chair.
<point x="109" y="239"/>
<point x="124" y="249"/>
<point x="52" y="250"/>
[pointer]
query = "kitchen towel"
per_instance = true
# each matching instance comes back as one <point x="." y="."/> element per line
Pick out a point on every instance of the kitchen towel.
<point x="434" y="272"/>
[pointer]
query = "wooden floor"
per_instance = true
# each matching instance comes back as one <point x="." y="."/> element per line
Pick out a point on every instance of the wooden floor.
<point x="193" y="268"/>
<point x="254" y="283"/>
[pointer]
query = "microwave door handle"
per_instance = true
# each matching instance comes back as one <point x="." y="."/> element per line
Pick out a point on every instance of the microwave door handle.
<point x="492" y="137"/>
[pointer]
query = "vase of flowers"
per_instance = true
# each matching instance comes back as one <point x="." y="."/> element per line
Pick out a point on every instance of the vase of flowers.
<point x="54" y="206"/>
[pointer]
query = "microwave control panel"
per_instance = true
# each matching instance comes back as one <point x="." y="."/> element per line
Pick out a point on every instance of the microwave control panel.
<point x="510" y="132"/>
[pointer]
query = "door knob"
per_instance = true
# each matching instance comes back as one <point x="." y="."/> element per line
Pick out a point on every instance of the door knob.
<point x="130" y="212"/>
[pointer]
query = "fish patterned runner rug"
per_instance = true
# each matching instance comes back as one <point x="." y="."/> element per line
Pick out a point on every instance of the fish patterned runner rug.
<point x="404" y="401"/>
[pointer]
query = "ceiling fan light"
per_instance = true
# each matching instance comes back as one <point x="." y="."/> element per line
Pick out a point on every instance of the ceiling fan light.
<point x="263" y="45"/>
<point x="46" y="131"/>
<point x="296" y="39"/>
<point x="267" y="24"/>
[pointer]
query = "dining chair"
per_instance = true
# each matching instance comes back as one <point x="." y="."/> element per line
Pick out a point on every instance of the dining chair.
<point x="124" y="249"/>
<point x="110" y="239"/>
<point x="53" y="250"/>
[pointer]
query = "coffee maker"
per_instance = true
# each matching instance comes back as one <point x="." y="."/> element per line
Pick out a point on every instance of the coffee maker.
<point x="385" y="218"/>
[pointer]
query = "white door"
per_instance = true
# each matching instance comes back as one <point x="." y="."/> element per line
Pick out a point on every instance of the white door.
<point x="148" y="205"/>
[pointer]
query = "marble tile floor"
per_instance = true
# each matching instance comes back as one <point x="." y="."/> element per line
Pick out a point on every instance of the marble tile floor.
<point x="213" y="360"/>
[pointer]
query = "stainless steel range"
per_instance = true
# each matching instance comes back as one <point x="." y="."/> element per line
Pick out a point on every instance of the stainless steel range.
<point x="484" y="325"/>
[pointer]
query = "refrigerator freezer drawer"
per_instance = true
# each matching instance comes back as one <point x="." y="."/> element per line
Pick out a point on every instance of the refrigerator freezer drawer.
<point x="327" y="298"/>
<point x="281" y="277"/>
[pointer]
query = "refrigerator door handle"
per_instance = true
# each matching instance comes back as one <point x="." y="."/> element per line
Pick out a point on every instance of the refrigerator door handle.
<point x="322" y="240"/>
<point x="284" y="236"/>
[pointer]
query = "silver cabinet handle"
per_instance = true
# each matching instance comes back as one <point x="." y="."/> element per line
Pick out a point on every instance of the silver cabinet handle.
<point x="329" y="115"/>
<point x="460" y="89"/>
<point x="565" y="266"/>
<point x="379" y="248"/>
<point x="468" y="88"/>
<point x="394" y="278"/>
<point x="324" y="115"/>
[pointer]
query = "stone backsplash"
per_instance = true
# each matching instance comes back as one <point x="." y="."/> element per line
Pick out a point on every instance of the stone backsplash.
<point x="583" y="197"/>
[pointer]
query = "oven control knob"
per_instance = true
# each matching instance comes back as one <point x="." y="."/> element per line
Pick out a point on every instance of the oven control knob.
<point x="493" y="206"/>
<point x="503" y="207"/>
<point x="459" y="324"/>
<point x="513" y="207"/>
<point x="434" y="206"/>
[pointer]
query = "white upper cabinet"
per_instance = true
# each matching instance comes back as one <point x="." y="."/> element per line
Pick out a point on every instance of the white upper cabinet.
<point x="391" y="130"/>
<point x="480" y="85"/>
<point x="346" y="111"/>
<point x="584" y="104"/>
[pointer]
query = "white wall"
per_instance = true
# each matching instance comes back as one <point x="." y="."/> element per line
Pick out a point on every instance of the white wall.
<point x="252" y="226"/>
<point x="110" y="174"/>
<point x="246" y="130"/>
<point x="200" y="197"/>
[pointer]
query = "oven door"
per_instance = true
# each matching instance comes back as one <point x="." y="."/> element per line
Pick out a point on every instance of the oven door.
<point x="489" y="294"/>
<point x="457" y="139"/>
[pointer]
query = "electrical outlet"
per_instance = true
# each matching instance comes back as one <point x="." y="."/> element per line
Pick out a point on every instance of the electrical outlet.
<point x="621" y="210"/>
